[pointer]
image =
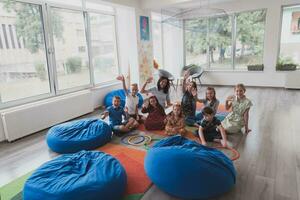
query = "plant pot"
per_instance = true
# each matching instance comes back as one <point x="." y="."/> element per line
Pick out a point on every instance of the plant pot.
<point x="259" y="67"/>
<point x="286" y="67"/>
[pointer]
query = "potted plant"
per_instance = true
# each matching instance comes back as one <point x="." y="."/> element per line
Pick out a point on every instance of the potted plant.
<point x="285" y="64"/>
<point x="255" y="67"/>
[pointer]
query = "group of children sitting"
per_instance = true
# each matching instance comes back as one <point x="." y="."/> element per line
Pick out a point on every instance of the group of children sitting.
<point x="210" y="128"/>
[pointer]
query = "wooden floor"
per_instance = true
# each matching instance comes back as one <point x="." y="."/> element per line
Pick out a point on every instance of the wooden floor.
<point x="269" y="166"/>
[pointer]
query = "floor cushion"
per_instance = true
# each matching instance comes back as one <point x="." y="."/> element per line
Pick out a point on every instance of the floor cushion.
<point x="188" y="170"/>
<point x="74" y="136"/>
<point x="121" y="93"/>
<point x="90" y="175"/>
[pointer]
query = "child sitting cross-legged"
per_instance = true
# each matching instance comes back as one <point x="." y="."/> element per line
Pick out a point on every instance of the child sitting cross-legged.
<point x="132" y="100"/>
<point x="210" y="128"/>
<point x="116" y="113"/>
<point x="175" y="121"/>
<point x="156" y="114"/>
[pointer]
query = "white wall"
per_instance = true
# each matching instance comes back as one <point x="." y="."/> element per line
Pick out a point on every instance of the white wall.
<point x="2" y="136"/>
<point x="97" y="96"/>
<point x="99" y="93"/>
<point x="131" y="3"/>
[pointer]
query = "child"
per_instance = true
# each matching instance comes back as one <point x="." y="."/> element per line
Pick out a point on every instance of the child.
<point x="210" y="128"/>
<point x="156" y="116"/>
<point x="115" y="113"/>
<point x="132" y="100"/>
<point x="188" y="102"/>
<point x="175" y="121"/>
<point x="239" y="116"/>
<point x="161" y="91"/>
<point x="210" y="100"/>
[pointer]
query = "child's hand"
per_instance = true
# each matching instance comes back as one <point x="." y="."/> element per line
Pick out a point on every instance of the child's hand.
<point x="149" y="80"/>
<point x="224" y="143"/>
<point x="247" y="130"/>
<point x="137" y="117"/>
<point x="230" y="98"/>
<point x="121" y="78"/>
<point x="204" y="143"/>
<point x="146" y="103"/>
<point x="102" y="116"/>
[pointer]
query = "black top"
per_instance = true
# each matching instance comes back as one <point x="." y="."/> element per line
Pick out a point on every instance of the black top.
<point x="188" y="104"/>
<point x="209" y="127"/>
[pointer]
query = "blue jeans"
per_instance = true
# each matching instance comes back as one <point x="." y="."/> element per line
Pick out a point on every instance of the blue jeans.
<point x="219" y="116"/>
<point x="191" y="120"/>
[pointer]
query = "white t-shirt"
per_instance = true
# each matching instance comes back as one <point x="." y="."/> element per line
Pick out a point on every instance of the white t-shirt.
<point x="160" y="95"/>
<point x="131" y="103"/>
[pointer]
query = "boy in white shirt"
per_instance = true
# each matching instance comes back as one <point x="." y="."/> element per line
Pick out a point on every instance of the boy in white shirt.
<point x="132" y="101"/>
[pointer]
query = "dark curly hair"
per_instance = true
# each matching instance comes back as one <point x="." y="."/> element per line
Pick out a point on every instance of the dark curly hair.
<point x="165" y="89"/>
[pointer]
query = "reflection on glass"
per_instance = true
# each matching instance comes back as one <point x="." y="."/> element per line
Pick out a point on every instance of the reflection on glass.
<point x="250" y="30"/>
<point x="23" y="64"/>
<point x="196" y="42"/>
<point x="289" y="57"/>
<point x="70" y="48"/>
<point x="104" y="53"/>
<point x="220" y="40"/>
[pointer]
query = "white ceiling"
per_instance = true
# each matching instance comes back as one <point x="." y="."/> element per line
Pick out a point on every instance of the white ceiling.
<point x="158" y="4"/>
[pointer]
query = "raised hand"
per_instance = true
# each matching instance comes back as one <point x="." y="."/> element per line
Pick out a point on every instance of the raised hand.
<point x="149" y="80"/>
<point x="230" y="98"/>
<point x="247" y="130"/>
<point x="146" y="103"/>
<point x="121" y="78"/>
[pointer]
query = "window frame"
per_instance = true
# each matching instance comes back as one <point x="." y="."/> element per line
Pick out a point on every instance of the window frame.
<point x="20" y="101"/>
<point x="280" y="33"/>
<point x="233" y="16"/>
<point x="90" y="45"/>
<point x="50" y="51"/>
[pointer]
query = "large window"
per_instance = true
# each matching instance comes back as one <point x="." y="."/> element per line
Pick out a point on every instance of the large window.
<point x="23" y="63"/>
<point x="250" y="30"/>
<point x="104" y="51"/>
<point x="289" y="56"/>
<point x="71" y="55"/>
<point x="220" y="40"/>
<point x="48" y="49"/>
<point x="196" y="44"/>
<point x="209" y="41"/>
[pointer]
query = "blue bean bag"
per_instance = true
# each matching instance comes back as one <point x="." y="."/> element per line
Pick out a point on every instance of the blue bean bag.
<point x="121" y="93"/>
<point x="85" y="134"/>
<point x="189" y="170"/>
<point x="91" y="175"/>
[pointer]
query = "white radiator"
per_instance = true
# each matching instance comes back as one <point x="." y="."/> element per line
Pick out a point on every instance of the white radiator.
<point x="292" y="80"/>
<point x="27" y="119"/>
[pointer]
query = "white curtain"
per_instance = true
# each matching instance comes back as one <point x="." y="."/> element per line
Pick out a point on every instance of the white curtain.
<point x="127" y="42"/>
<point x="173" y="49"/>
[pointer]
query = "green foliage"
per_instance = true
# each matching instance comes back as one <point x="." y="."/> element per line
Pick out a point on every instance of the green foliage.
<point x="29" y="25"/>
<point x="216" y="33"/>
<point x="285" y="64"/>
<point x="74" y="64"/>
<point x="250" y="29"/>
<point x="41" y="71"/>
